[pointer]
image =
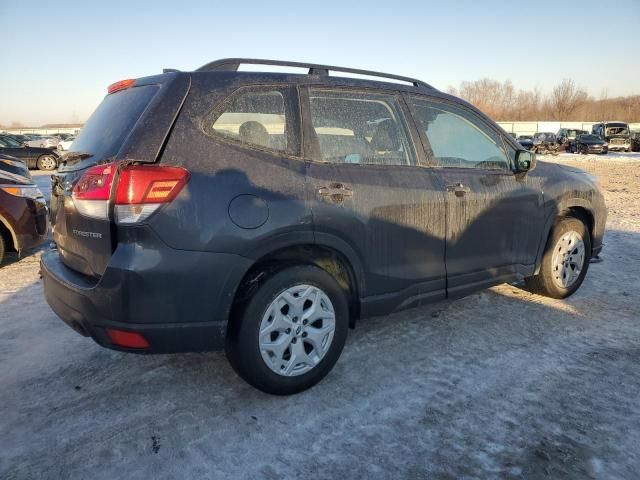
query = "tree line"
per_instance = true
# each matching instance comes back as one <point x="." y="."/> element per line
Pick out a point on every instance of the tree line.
<point x="567" y="101"/>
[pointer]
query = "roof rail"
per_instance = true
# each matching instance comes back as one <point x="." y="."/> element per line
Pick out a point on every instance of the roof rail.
<point x="232" y="65"/>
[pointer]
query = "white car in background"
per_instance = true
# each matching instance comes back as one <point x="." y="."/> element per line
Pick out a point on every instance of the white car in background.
<point x="43" y="141"/>
<point x="64" y="145"/>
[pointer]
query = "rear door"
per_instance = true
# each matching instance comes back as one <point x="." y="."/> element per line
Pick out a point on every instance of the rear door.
<point x="129" y="124"/>
<point x="494" y="217"/>
<point x="367" y="191"/>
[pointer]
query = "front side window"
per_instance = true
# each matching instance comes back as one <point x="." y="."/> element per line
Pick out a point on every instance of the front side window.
<point x="255" y="118"/>
<point x="456" y="140"/>
<point x="365" y="128"/>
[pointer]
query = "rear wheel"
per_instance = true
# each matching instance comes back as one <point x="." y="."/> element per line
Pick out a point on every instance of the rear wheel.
<point x="565" y="261"/>
<point x="46" y="162"/>
<point x="292" y="331"/>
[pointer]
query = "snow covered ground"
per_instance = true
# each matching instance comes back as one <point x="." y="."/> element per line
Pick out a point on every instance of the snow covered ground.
<point x="502" y="384"/>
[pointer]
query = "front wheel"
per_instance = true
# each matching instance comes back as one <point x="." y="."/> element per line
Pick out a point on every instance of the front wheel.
<point x="46" y="162"/>
<point x="291" y="332"/>
<point x="565" y="260"/>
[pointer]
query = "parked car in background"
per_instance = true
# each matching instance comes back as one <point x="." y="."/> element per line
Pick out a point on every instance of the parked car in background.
<point x="635" y="141"/>
<point x="40" y="158"/>
<point x="566" y="136"/>
<point x="545" y="142"/>
<point x="589" y="143"/>
<point x="513" y="135"/>
<point x="616" y="134"/>
<point x="64" y="145"/>
<point x="526" y="141"/>
<point x="63" y="136"/>
<point x="43" y="142"/>
<point x="192" y="213"/>
<point x="24" y="220"/>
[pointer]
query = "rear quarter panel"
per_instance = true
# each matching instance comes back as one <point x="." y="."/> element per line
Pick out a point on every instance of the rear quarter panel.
<point x="222" y="171"/>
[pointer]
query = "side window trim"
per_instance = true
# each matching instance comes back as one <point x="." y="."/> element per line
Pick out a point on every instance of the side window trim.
<point x="292" y="118"/>
<point x="310" y="145"/>
<point x="469" y="115"/>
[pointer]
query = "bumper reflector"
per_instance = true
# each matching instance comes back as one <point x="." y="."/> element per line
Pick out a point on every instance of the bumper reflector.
<point x="127" y="339"/>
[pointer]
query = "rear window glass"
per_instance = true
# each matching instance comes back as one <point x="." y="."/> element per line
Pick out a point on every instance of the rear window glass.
<point x="108" y="127"/>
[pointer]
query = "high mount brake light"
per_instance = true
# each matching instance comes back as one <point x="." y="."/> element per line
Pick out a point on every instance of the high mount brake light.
<point x="121" y="85"/>
<point x="140" y="190"/>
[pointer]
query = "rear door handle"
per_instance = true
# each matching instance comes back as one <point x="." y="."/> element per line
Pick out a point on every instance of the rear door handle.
<point x="336" y="191"/>
<point x="459" y="189"/>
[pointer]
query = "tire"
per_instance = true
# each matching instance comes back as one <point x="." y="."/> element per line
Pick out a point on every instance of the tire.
<point x="268" y="362"/>
<point x="46" y="162"/>
<point x="553" y="281"/>
<point x="3" y="248"/>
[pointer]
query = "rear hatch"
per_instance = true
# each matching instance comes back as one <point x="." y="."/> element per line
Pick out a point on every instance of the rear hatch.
<point x="131" y="124"/>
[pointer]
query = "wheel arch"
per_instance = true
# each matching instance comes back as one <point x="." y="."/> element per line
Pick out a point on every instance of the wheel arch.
<point x="6" y="228"/>
<point x="327" y="257"/>
<point x="574" y="207"/>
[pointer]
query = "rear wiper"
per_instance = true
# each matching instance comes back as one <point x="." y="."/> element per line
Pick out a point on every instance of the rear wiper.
<point x="74" y="157"/>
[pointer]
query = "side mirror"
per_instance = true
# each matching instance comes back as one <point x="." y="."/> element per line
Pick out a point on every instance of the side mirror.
<point x="525" y="161"/>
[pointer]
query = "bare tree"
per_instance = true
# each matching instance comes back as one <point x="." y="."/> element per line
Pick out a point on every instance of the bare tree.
<point x="566" y="98"/>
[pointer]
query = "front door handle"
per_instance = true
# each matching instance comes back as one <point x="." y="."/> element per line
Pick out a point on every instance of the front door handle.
<point x="459" y="189"/>
<point x="336" y="191"/>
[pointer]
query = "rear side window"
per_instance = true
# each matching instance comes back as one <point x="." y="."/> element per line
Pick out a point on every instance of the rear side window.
<point x="359" y="128"/>
<point x="108" y="127"/>
<point x="256" y="118"/>
<point x="457" y="140"/>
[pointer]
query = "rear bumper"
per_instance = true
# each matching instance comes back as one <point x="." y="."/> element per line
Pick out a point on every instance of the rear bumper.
<point x="173" y="308"/>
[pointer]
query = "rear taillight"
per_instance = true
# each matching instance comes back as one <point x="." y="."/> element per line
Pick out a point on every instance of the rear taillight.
<point x="140" y="190"/>
<point x="92" y="192"/>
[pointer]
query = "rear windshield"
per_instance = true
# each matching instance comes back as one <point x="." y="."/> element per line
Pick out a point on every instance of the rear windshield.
<point x="108" y="127"/>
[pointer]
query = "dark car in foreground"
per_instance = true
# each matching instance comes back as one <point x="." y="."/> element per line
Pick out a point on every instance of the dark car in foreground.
<point x="265" y="213"/>
<point x="34" y="157"/>
<point x="24" y="220"/>
<point x="589" y="144"/>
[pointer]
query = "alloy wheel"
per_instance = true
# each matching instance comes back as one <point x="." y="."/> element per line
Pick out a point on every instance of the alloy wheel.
<point x="296" y="330"/>
<point x="47" y="162"/>
<point x="568" y="259"/>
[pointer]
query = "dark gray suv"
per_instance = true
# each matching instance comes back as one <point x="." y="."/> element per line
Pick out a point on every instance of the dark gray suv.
<point x="265" y="213"/>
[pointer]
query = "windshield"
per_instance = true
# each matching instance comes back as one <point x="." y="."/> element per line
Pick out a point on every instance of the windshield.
<point x="589" y="137"/>
<point x="617" y="129"/>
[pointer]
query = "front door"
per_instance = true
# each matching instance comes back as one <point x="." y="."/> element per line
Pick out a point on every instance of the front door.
<point x="365" y="189"/>
<point x="493" y="215"/>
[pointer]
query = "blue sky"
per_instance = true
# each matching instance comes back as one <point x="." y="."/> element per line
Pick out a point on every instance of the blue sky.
<point x="60" y="56"/>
